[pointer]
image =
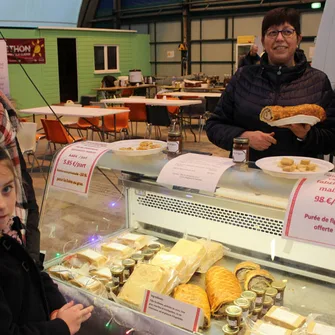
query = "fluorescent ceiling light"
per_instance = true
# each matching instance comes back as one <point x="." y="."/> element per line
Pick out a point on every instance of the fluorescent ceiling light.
<point x="316" y="5"/>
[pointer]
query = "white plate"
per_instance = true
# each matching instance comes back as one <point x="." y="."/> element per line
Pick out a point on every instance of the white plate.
<point x="308" y="119"/>
<point x="270" y="166"/>
<point x="115" y="147"/>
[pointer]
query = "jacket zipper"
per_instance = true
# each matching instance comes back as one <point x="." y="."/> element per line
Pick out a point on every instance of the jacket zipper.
<point x="277" y="87"/>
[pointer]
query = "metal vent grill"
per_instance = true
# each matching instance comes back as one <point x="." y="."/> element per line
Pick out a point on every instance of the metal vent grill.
<point x="217" y="214"/>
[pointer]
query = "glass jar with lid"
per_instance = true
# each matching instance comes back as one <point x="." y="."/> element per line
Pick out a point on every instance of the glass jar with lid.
<point x="241" y="150"/>
<point x="280" y="287"/>
<point x="234" y="316"/>
<point x="251" y="296"/>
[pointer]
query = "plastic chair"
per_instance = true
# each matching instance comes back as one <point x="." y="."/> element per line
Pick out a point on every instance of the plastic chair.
<point x="138" y="113"/>
<point x="157" y="116"/>
<point x="38" y="136"/>
<point x="26" y="136"/>
<point x="121" y="125"/>
<point x="56" y="134"/>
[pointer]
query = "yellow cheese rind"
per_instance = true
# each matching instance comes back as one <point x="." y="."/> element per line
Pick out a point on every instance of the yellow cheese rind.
<point x="134" y="240"/>
<point x="92" y="257"/>
<point x="114" y="249"/>
<point x="284" y="318"/>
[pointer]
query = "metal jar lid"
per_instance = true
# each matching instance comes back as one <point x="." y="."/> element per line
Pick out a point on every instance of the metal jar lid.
<point x="148" y="252"/>
<point x="116" y="269"/>
<point x="279" y="285"/>
<point x="268" y="301"/>
<point x="257" y="310"/>
<point x="137" y="257"/>
<point x="111" y="285"/>
<point x="258" y="289"/>
<point x="234" y="311"/>
<point x="229" y="331"/>
<point x="271" y="292"/>
<point x="250" y="295"/>
<point x="242" y="302"/>
<point x="154" y="246"/>
<point x="127" y="263"/>
<point x="241" y="140"/>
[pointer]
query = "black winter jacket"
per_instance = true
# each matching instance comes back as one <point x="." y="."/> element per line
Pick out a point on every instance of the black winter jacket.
<point x="256" y="86"/>
<point x="27" y="296"/>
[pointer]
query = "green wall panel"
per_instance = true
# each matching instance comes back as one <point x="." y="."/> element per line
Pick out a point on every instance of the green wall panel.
<point x="134" y="52"/>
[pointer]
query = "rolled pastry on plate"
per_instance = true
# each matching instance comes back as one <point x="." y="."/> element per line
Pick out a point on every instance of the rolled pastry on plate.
<point x="243" y="268"/>
<point x="273" y="113"/>
<point x="259" y="277"/>
<point x="222" y="289"/>
<point x="196" y="296"/>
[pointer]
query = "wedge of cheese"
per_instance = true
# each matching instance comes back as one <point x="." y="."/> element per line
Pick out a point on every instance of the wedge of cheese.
<point x="192" y="254"/>
<point x="145" y="277"/>
<point x="262" y="327"/>
<point x="92" y="257"/>
<point x="134" y="240"/>
<point x="315" y="328"/>
<point x="214" y="252"/>
<point x="88" y="284"/>
<point x="114" y="249"/>
<point x="175" y="266"/>
<point x="61" y="272"/>
<point x="284" y="318"/>
<point x="102" y="274"/>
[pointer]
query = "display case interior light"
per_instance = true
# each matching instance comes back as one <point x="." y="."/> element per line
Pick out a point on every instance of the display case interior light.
<point x="316" y="5"/>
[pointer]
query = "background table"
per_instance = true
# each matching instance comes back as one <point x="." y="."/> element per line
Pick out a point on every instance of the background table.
<point x="122" y="88"/>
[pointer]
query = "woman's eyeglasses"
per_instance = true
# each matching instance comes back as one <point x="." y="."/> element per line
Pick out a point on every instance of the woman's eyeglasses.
<point x="287" y="32"/>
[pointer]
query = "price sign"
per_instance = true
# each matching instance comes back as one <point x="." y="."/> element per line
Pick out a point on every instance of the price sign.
<point x="311" y="212"/>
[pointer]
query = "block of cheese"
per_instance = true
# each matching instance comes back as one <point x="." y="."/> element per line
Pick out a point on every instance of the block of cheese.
<point x="315" y="328"/>
<point x="214" y="252"/>
<point x="61" y="272"/>
<point x="134" y="240"/>
<point x="192" y="253"/>
<point x="102" y="274"/>
<point x="92" y="257"/>
<point x="175" y="266"/>
<point x="263" y="328"/>
<point x="87" y="283"/>
<point x="116" y="249"/>
<point x="284" y="318"/>
<point x="145" y="277"/>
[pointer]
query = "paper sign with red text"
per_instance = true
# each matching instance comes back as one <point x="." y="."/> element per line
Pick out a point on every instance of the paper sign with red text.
<point x="310" y="215"/>
<point x="74" y="166"/>
<point x="172" y="311"/>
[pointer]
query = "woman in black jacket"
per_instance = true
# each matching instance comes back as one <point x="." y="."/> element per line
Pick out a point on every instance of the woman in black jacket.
<point x="30" y="303"/>
<point x="283" y="78"/>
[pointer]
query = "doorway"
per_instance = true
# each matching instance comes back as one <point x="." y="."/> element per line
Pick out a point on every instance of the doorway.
<point x="67" y="69"/>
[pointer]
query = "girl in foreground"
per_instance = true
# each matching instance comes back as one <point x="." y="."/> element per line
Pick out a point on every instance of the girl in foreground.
<point x="30" y="303"/>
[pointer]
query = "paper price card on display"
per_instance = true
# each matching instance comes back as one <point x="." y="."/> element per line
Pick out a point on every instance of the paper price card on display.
<point x="172" y="311"/>
<point x="74" y="166"/>
<point x="194" y="171"/>
<point x="310" y="215"/>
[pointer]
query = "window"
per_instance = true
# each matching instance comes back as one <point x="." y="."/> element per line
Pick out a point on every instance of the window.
<point x="106" y="58"/>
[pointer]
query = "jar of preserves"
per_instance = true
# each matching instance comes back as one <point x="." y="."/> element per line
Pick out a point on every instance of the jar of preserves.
<point x="267" y="304"/>
<point x="251" y="296"/>
<point x="174" y="140"/>
<point x="271" y="292"/>
<point x="129" y="265"/>
<point x="241" y="150"/>
<point x="155" y="247"/>
<point x="138" y="258"/>
<point x="260" y="294"/>
<point x="255" y="314"/>
<point x="280" y="287"/>
<point x="229" y="331"/>
<point x="112" y="287"/>
<point x="117" y="274"/>
<point x="234" y="316"/>
<point x="148" y="254"/>
<point x="244" y="304"/>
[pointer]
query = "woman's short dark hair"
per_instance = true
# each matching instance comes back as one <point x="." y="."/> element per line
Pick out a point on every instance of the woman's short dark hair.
<point x="278" y="16"/>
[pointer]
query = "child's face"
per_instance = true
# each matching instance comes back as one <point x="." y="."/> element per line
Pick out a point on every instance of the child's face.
<point x="7" y="194"/>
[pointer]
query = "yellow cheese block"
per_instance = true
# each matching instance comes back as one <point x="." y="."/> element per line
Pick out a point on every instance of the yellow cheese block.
<point x="145" y="277"/>
<point x="315" y="328"/>
<point x="134" y="240"/>
<point x="261" y="327"/>
<point x="284" y="318"/>
<point x="88" y="284"/>
<point x="214" y="252"/>
<point x="92" y="257"/>
<point x="116" y="249"/>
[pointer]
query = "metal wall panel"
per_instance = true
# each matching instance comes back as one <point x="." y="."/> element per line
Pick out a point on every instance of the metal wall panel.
<point x="306" y="46"/>
<point x="195" y="68"/>
<point x="152" y="32"/>
<point x="213" y="29"/>
<point x="141" y="28"/>
<point x="216" y="52"/>
<point x="162" y="53"/>
<point x="195" y="30"/>
<point x="230" y="27"/>
<point x="216" y="69"/>
<point x="248" y="26"/>
<point x="310" y="23"/>
<point x="168" y="31"/>
<point x="152" y="53"/>
<point x="168" y="69"/>
<point x="195" y="51"/>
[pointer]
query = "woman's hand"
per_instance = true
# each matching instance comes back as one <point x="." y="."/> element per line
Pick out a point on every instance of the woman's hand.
<point x="74" y="315"/>
<point x="300" y="129"/>
<point x="258" y="140"/>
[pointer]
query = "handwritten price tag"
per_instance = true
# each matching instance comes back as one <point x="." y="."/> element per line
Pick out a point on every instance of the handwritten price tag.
<point x="74" y="166"/>
<point x="311" y="211"/>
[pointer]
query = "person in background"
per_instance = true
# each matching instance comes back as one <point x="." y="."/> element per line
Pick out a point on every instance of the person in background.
<point x="27" y="208"/>
<point x="30" y="303"/>
<point x="251" y="58"/>
<point x="282" y="78"/>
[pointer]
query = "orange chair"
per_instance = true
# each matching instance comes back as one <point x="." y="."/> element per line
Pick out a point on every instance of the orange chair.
<point x="38" y="136"/>
<point x="85" y="123"/>
<point x="56" y="134"/>
<point x="121" y="125"/>
<point x="138" y="113"/>
<point x="127" y="92"/>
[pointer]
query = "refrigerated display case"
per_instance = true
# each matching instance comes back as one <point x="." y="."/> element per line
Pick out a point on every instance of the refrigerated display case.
<point x="245" y="213"/>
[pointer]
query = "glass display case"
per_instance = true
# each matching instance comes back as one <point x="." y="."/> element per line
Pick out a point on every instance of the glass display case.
<point x="245" y="214"/>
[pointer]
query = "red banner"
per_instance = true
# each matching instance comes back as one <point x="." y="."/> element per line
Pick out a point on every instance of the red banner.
<point x="26" y="51"/>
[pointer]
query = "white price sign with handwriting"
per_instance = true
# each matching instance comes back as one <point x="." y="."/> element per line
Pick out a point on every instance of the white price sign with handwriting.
<point x="173" y="311"/>
<point x="310" y="216"/>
